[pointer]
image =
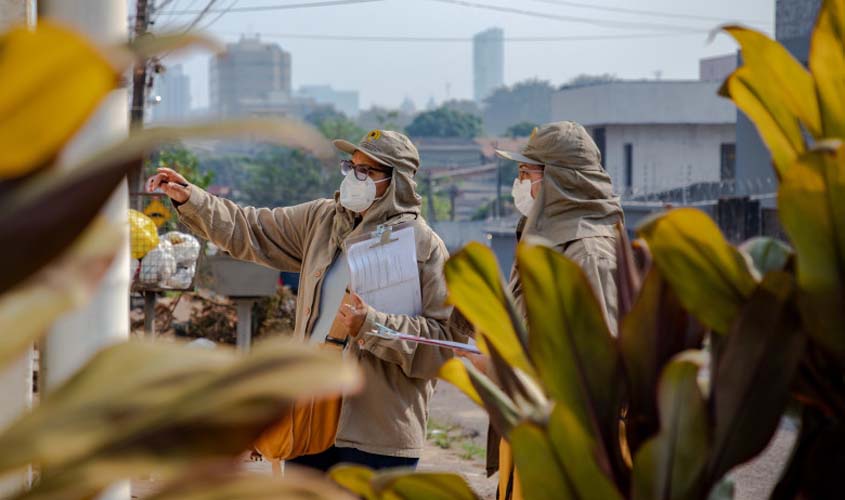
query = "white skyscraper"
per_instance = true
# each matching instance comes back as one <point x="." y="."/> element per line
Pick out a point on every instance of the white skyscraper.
<point x="488" y="62"/>
<point x="174" y="89"/>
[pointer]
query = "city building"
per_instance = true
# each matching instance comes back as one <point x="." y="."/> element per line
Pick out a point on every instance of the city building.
<point x="488" y="62"/>
<point x="172" y="94"/>
<point x="655" y="135"/>
<point x="248" y="71"/>
<point x="345" y="101"/>
<point x="794" y="21"/>
<point x="716" y="69"/>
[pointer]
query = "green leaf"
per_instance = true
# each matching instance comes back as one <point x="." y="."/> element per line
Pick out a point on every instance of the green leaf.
<point x="355" y="478"/>
<point x="541" y="475"/>
<point x="476" y="290"/>
<point x="570" y="342"/>
<point x="710" y="277"/>
<point x="670" y="466"/>
<point x="811" y="202"/>
<point x="503" y="412"/>
<point x="156" y="407"/>
<point x="576" y="450"/>
<point x="28" y="310"/>
<point x="767" y="254"/>
<point x="44" y="228"/>
<point x="827" y="64"/>
<point x="656" y="329"/>
<point x="753" y="374"/>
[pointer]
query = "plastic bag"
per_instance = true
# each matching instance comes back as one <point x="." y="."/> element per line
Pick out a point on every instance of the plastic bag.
<point x="186" y="248"/>
<point x="143" y="234"/>
<point x="181" y="279"/>
<point x="158" y="265"/>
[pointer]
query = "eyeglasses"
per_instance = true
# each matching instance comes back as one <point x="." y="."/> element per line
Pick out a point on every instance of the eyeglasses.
<point x="361" y="171"/>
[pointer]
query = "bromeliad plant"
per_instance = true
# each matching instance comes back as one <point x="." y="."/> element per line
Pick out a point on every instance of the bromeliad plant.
<point x="652" y="413"/>
<point x="135" y="408"/>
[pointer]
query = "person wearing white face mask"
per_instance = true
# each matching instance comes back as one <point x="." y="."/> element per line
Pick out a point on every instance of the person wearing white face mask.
<point x="566" y="197"/>
<point x="384" y="425"/>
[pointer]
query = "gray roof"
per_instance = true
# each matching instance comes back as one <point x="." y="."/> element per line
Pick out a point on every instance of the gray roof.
<point x="643" y="102"/>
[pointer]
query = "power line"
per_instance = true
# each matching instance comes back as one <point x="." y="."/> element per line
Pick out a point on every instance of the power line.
<point x="573" y="19"/>
<point x="623" y="10"/>
<point x="261" y="8"/>
<point x="428" y="39"/>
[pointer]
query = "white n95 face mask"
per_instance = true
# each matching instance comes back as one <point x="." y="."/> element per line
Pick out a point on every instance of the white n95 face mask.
<point x="358" y="195"/>
<point x="521" y="193"/>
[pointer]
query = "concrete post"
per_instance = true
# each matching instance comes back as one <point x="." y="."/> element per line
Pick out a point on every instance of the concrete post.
<point x="76" y="337"/>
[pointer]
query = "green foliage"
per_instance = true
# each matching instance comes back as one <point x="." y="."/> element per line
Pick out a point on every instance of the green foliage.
<point x="335" y="125"/>
<point x="521" y="129"/>
<point x="445" y="122"/>
<point x="181" y="160"/>
<point x="776" y="321"/>
<point x="281" y="177"/>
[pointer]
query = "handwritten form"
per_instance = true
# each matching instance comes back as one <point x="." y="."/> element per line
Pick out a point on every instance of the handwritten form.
<point x="386" y="276"/>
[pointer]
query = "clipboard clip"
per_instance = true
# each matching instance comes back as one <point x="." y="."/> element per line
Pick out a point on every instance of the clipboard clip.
<point x="384" y="234"/>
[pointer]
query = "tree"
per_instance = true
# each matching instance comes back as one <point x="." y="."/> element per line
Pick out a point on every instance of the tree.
<point x="335" y="125"/>
<point x="529" y="100"/>
<point x="521" y="129"/>
<point x="584" y="80"/>
<point x="444" y="122"/>
<point x="281" y="177"/>
<point x="182" y="160"/>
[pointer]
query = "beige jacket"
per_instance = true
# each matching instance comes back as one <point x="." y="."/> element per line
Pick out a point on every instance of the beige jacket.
<point x="389" y="416"/>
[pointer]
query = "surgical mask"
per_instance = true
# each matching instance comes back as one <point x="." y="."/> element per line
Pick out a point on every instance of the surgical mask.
<point x="521" y="193"/>
<point x="357" y="195"/>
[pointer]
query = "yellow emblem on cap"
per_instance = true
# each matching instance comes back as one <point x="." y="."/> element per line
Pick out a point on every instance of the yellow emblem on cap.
<point x="374" y="135"/>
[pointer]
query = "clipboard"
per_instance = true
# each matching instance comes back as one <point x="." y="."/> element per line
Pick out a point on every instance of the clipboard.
<point x="383" y="269"/>
<point x="387" y="333"/>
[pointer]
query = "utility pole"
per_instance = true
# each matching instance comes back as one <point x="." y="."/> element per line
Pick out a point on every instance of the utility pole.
<point x="432" y="217"/>
<point x="78" y="335"/>
<point x="143" y="8"/>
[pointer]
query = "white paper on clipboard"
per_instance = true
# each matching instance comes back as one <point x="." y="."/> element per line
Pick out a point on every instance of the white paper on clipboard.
<point x="385" y="273"/>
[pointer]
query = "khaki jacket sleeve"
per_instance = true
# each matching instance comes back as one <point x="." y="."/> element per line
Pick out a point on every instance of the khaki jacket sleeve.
<point x="597" y="257"/>
<point x="415" y="360"/>
<point x="272" y="237"/>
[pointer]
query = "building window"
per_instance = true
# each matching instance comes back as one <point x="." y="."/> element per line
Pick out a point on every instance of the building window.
<point x="727" y="161"/>
<point x="599" y="137"/>
<point x="629" y="165"/>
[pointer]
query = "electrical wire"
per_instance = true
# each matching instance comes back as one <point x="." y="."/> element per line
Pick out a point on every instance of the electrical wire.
<point x="571" y="19"/>
<point x="623" y="10"/>
<point x="428" y="39"/>
<point x="261" y="8"/>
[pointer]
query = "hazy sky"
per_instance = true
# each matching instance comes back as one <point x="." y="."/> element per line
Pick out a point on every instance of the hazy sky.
<point x="385" y="72"/>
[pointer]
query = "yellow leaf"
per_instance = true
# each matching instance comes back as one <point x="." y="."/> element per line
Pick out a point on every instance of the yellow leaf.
<point x="827" y="63"/>
<point x="476" y="289"/>
<point x="454" y="372"/>
<point x="355" y="478"/>
<point x="53" y="79"/>
<point x="771" y="66"/>
<point x="570" y="344"/>
<point x="710" y="277"/>
<point x="778" y="129"/>
<point x="811" y="201"/>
